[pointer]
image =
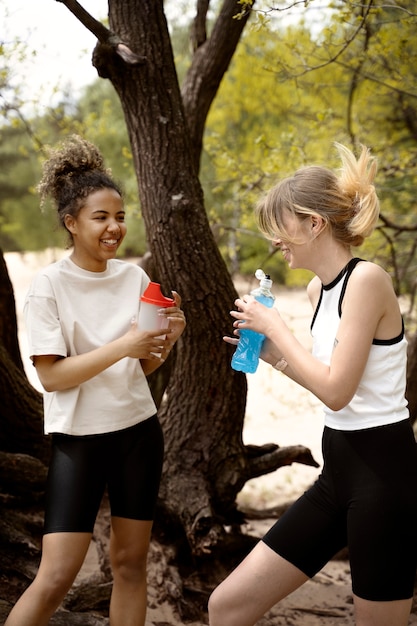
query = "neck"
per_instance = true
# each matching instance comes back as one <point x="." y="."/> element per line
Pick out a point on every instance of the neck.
<point x="329" y="265"/>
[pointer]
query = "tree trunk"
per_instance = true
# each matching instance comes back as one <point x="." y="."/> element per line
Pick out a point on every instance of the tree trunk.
<point x="8" y="322"/>
<point x="206" y="463"/>
<point x="202" y="414"/>
<point x="21" y="408"/>
<point x="21" y="412"/>
<point x="202" y="408"/>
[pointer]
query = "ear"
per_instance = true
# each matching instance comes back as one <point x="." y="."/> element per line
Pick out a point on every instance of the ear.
<point x="317" y="224"/>
<point x="70" y="223"/>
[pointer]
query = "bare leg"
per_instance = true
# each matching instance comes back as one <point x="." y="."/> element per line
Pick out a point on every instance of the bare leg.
<point x="369" y="613"/>
<point x="62" y="557"/>
<point x="260" y="581"/>
<point x="129" y="546"/>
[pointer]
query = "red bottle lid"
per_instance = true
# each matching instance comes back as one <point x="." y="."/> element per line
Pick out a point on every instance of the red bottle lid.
<point x="153" y="295"/>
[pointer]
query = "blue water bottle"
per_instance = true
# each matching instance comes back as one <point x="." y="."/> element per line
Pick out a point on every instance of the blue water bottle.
<point x="246" y="356"/>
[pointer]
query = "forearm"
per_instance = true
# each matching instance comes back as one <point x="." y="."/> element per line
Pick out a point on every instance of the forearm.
<point x="151" y="365"/>
<point x="272" y="353"/>
<point x="329" y="384"/>
<point x="300" y="365"/>
<point x="68" y="372"/>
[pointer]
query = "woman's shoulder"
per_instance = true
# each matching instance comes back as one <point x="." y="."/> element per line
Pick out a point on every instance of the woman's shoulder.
<point x="50" y="271"/>
<point x="370" y="280"/>
<point x="370" y="273"/>
<point x="125" y="266"/>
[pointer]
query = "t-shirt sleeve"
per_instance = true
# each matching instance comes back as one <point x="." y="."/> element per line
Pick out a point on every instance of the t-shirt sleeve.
<point x="43" y="326"/>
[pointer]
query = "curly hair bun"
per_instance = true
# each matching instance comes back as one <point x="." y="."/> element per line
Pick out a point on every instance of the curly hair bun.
<point x="72" y="172"/>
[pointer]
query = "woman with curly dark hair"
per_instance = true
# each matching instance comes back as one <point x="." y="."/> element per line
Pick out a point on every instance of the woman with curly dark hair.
<point x="92" y="360"/>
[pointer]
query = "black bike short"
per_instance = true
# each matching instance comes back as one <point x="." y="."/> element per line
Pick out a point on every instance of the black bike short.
<point x="127" y="462"/>
<point x="365" y="499"/>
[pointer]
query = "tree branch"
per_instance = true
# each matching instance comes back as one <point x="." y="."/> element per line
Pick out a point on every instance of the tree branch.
<point x="198" y="32"/>
<point x="210" y="62"/>
<point x="270" y="457"/>
<point x="105" y="36"/>
<point x="397" y="227"/>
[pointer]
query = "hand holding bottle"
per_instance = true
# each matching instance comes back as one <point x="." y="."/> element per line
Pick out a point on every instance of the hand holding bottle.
<point x="250" y="314"/>
<point x="249" y="344"/>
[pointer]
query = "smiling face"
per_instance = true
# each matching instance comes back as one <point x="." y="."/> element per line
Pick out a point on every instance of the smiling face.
<point x="295" y="245"/>
<point x="98" y="230"/>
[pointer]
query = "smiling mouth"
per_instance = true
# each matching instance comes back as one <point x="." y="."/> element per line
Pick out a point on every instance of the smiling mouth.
<point x="110" y="242"/>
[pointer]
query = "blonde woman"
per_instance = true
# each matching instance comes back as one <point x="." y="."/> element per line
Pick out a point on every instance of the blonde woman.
<point x="366" y="495"/>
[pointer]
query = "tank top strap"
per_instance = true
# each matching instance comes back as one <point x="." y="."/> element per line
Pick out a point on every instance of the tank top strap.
<point x="348" y="271"/>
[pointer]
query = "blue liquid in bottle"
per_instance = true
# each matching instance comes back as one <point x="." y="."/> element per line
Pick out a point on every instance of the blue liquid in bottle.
<point x="246" y="356"/>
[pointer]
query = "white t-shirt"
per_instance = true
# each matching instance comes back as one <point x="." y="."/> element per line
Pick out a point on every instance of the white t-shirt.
<point x="70" y="311"/>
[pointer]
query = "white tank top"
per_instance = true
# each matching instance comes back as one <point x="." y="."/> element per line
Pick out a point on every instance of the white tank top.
<point x="380" y="397"/>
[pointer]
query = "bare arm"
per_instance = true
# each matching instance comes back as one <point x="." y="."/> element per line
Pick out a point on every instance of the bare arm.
<point x="57" y="373"/>
<point x="370" y="309"/>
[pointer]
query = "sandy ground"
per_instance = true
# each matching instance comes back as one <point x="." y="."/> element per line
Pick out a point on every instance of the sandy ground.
<point x="277" y="411"/>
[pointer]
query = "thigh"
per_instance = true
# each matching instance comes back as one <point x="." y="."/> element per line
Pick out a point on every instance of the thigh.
<point x="382" y="515"/>
<point x="135" y="462"/>
<point x="368" y="613"/>
<point x="76" y="483"/>
<point x="311" y="531"/>
<point x="261" y="580"/>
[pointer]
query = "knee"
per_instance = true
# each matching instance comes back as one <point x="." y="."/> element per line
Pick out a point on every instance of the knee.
<point x="217" y="609"/>
<point x="129" y="566"/>
<point x="53" y="588"/>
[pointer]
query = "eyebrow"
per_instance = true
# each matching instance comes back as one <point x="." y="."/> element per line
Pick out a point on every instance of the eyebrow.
<point x="121" y="212"/>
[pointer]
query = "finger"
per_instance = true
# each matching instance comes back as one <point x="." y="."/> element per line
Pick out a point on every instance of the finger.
<point x="239" y="302"/>
<point x="178" y="317"/>
<point x="232" y="340"/>
<point x="176" y="297"/>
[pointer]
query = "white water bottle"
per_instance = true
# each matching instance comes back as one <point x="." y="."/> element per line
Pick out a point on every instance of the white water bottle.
<point x="151" y="301"/>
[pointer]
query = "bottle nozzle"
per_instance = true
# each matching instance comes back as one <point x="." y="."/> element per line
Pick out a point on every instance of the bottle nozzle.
<point x="259" y="274"/>
<point x="265" y="279"/>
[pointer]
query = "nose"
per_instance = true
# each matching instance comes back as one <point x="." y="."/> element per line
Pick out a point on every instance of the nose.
<point x="113" y="228"/>
<point x="276" y="242"/>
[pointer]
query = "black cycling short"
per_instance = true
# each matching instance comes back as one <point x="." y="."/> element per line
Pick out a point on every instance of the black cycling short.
<point x="127" y="462"/>
<point x="365" y="499"/>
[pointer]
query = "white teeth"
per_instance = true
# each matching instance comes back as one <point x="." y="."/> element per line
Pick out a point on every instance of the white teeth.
<point x="110" y="241"/>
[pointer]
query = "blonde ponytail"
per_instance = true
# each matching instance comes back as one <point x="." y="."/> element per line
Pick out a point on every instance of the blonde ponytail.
<point x="356" y="181"/>
<point x="348" y="204"/>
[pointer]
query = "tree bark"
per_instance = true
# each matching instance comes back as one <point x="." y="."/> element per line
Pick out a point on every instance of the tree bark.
<point x="21" y="408"/>
<point x="8" y="322"/>
<point x="21" y="412"/>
